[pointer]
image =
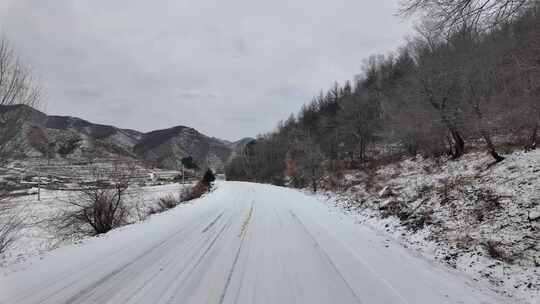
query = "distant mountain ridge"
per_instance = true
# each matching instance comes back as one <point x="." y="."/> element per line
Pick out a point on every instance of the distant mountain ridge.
<point x="52" y="136"/>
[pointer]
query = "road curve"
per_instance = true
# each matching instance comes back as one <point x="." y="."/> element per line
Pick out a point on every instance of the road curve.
<point x="244" y="243"/>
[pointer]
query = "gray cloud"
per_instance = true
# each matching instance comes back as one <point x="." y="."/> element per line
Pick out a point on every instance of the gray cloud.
<point x="194" y="94"/>
<point x="287" y="91"/>
<point x="229" y="69"/>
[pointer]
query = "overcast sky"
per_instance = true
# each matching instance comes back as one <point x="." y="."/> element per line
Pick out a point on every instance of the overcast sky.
<point x="227" y="68"/>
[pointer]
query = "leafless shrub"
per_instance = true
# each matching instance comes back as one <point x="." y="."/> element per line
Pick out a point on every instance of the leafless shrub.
<point x="333" y="181"/>
<point x="140" y="211"/>
<point x="490" y="198"/>
<point x="423" y="190"/>
<point x="445" y="191"/>
<point x="372" y="181"/>
<point x="495" y="251"/>
<point x="419" y="220"/>
<point x="94" y="211"/>
<point x="100" y="206"/>
<point x="199" y="189"/>
<point x="395" y="208"/>
<point x="386" y="160"/>
<point x="10" y="225"/>
<point x="465" y="242"/>
<point x="164" y="203"/>
<point x="185" y="194"/>
<point x="452" y="186"/>
<point x="153" y="210"/>
<point x="168" y="202"/>
<point x="486" y="201"/>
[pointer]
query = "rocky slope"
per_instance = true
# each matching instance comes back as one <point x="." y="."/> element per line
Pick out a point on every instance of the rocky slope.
<point x="470" y="214"/>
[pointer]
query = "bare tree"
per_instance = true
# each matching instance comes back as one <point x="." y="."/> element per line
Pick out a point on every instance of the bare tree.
<point x="10" y="225"/>
<point x="454" y="14"/>
<point x="17" y="87"/>
<point x="246" y="158"/>
<point x="522" y="68"/>
<point x="481" y="83"/>
<point x="359" y="119"/>
<point x="100" y="206"/>
<point x="439" y="84"/>
<point x="309" y="159"/>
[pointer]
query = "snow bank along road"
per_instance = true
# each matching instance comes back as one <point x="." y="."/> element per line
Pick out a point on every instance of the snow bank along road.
<point x="244" y="243"/>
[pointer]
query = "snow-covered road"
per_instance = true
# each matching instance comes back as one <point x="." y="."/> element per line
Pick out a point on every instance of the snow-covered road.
<point x="244" y="243"/>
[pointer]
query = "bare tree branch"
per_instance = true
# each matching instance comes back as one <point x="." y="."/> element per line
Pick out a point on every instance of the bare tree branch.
<point x="454" y="14"/>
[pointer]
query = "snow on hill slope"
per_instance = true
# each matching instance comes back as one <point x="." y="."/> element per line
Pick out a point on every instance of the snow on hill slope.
<point x="243" y="243"/>
<point x="42" y="135"/>
<point x="166" y="147"/>
<point x="49" y="136"/>
<point x="480" y="218"/>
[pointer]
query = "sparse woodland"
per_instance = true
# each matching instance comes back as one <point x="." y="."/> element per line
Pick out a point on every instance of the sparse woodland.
<point x="469" y="79"/>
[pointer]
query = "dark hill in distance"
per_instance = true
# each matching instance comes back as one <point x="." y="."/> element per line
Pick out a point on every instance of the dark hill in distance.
<point x="42" y="135"/>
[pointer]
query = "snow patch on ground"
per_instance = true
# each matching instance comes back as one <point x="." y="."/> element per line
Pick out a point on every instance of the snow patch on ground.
<point x="39" y="236"/>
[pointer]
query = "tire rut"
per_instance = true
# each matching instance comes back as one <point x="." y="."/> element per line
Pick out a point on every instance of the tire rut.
<point x="105" y="278"/>
<point x="242" y="235"/>
<point x="200" y="258"/>
<point x="325" y="255"/>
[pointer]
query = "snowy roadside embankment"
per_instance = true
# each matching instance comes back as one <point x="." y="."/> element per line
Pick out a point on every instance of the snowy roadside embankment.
<point x="39" y="234"/>
<point x="480" y="219"/>
<point x="244" y="243"/>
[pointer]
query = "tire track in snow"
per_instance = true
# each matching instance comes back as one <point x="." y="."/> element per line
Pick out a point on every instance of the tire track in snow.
<point x="242" y="235"/>
<point x="199" y="260"/>
<point x="75" y="277"/>
<point x="366" y="265"/>
<point x="87" y="292"/>
<point x="212" y="223"/>
<point x="326" y="257"/>
<point x="66" y="275"/>
<point x="193" y="253"/>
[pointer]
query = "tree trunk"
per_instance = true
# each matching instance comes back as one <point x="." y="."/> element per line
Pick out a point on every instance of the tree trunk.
<point x="361" y="151"/>
<point x="363" y="143"/>
<point x="314" y="180"/>
<point x="533" y="139"/>
<point x="491" y="147"/>
<point x="485" y="135"/>
<point x="459" y="144"/>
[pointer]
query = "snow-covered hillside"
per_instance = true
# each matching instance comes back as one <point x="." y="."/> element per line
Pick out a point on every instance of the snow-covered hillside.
<point x="480" y="218"/>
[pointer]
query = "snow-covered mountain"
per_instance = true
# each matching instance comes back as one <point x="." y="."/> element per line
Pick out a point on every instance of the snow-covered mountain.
<point x="42" y="135"/>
